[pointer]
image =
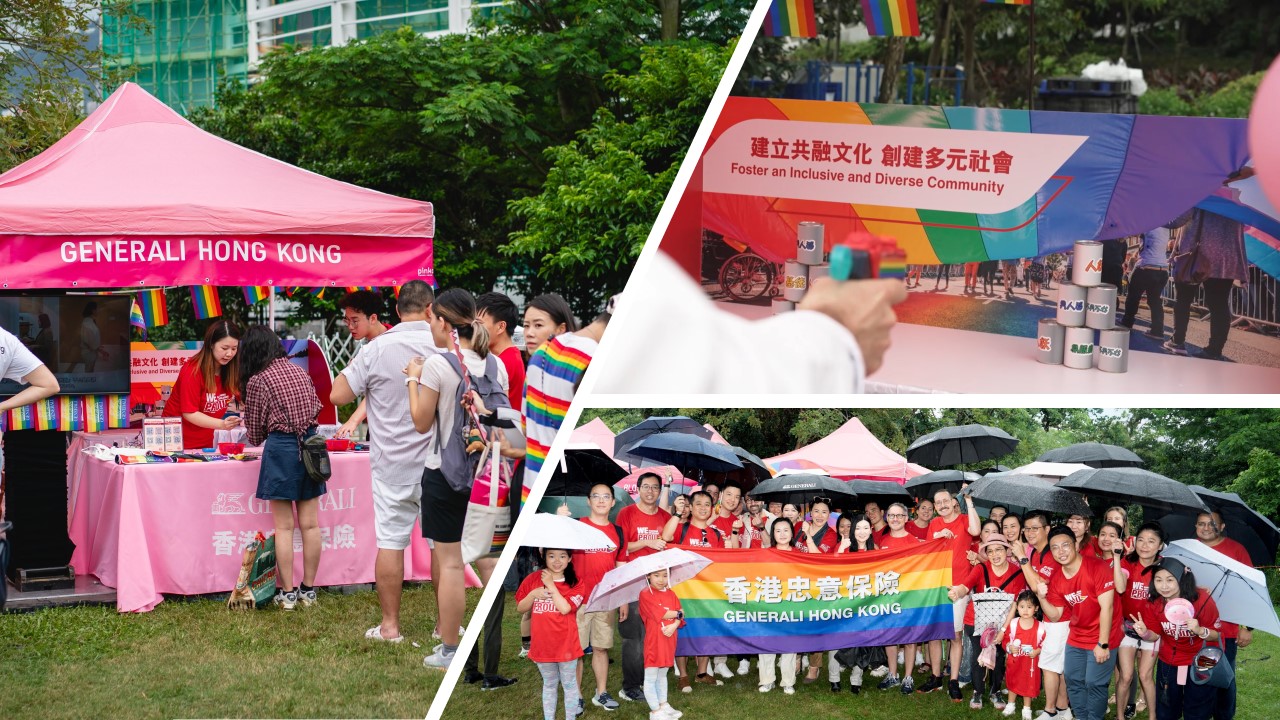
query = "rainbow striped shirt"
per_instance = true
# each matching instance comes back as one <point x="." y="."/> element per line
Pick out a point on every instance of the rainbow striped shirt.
<point x="550" y="382"/>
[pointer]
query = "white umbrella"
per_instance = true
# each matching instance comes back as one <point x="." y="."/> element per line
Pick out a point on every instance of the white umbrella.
<point x="622" y="585"/>
<point x="563" y="533"/>
<point x="1239" y="590"/>
<point x="1051" y="471"/>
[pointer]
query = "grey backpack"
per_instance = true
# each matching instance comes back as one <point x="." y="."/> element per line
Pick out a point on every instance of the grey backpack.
<point x="458" y="465"/>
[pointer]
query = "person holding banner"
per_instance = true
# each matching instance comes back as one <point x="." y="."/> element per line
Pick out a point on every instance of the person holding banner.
<point x="660" y="609"/>
<point x="781" y="538"/>
<point x="1177" y="696"/>
<point x="1082" y="592"/>
<point x="756" y="524"/>
<point x="728" y="514"/>
<point x="1038" y="566"/>
<point x="642" y="525"/>
<point x="862" y="540"/>
<point x="694" y="529"/>
<point x="206" y="385"/>
<point x="995" y="575"/>
<point x="959" y="529"/>
<point x="898" y="537"/>
<point x="816" y="536"/>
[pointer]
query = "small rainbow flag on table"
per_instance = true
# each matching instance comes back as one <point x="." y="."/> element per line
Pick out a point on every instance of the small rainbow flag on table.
<point x="155" y="311"/>
<point x="254" y="294"/>
<point x="790" y="18"/>
<point x="891" y="17"/>
<point x="205" y="302"/>
<point x="769" y="601"/>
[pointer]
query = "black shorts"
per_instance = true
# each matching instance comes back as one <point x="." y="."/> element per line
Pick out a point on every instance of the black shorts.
<point x="444" y="510"/>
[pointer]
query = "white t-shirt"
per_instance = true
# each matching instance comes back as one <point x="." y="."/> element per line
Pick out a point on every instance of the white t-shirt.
<point x="439" y="375"/>
<point x="16" y="361"/>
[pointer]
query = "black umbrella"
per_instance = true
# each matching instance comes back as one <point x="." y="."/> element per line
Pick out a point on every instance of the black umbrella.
<point x="1134" y="486"/>
<point x="963" y="444"/>
<point x="1021" y="493"/>
<point x="582" y="467"/>
<point x="1095" y="455"/>
<point x="687" y="452"/>
<point x="654" y="425"/>
<point x="924" y="486"/>
<point x="882" y="492"/>
<point x="754" y="470"/>
<point x="994" y="469"/>
<point x="802" y="488"/>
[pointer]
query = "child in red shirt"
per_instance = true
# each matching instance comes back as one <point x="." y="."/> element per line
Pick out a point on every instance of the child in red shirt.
<point x="553" y="596"/>
<point x="1022" y="665"/>
<point x="660" y="611"/>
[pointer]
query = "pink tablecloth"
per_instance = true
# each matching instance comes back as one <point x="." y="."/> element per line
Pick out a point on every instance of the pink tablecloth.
<point x="182" y="528"/>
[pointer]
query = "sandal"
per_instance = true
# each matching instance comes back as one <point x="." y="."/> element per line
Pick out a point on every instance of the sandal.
<point x="375" y="633"/>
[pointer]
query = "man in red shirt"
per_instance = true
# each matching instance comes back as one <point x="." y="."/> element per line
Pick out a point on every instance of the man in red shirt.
<point x="1211" y="530"/>
<point x="755" y="523"/>
<point x="960" y="529"/>
<point x="1082" y="592"/>
<point x="875" y="516"/>
<point x="728" y="520"/>
<point x="642" y="526"/>
<point x="1039" y="566"/>
<point x="595" y="629"/>
<point x="501" y="318"/>
<point x="897" y="536"/>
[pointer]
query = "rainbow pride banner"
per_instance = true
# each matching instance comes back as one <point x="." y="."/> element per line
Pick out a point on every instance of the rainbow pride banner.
<point x="254" y="294"/>
<point x="70" y="413"/>
<point x="790" y="18"/>
<point x="205" y="302"/>
<point x="891" y="17"/>
<point x="767" y="601"/>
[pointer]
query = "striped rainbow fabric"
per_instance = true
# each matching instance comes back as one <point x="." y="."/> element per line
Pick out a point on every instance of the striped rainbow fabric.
<point x="1008" y="2"/>
<point x="254" y="294"/>
<point x="790" y="18"/>
<point x="767" y="601"/>
<point x="48" y="413"/>
<point x="95" y="413"/>
<point x="554" y="365"/>
<point x="891" y="17"/>
<point x="155" y="310"/>
<point x="136" y="319"/>
<point x="205" y="302"/>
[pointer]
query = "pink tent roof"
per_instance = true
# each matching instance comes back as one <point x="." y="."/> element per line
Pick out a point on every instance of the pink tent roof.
<point x="851" y="452"/>
<point x="136" y="167"/>
<point x="716" y="437"/>
<point x="595" y="432"/>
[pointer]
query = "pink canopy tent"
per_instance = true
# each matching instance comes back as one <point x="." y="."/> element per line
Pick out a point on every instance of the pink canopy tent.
<point x="596" y="433"/>
<point x="851" y="452"/>
<point x="136" y="195"/>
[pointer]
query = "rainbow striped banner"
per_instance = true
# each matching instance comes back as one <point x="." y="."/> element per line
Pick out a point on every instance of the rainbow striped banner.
<point x="155" y="311"/>
<point x="48" y="412"/>
<point x="891" y="17"/>
<point x="358" y="288"/>
<point x="95" y="413"/>
<point x="23" y="418"/>
<point x="205" y="302"/>
<point x="1008" y="2"/>
<point x="767" y="601"/>
<point x="790" y="18"/>
<point x="254" y="294"/>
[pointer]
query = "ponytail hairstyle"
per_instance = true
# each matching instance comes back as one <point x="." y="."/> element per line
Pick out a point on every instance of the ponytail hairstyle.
<point x="570" y="575"/>
<point x="458" y="308"/>
<point x="208" y="367"/>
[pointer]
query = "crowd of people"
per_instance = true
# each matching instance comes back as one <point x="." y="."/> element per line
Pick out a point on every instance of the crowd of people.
<point x="1069" y="615"/>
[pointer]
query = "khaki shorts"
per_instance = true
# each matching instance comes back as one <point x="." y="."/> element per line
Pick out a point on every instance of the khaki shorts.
<point x="957" y="613"/>
<point x="395" y="510"/>
<point x="1053" y="651"/>
<point x="595" y="629"/>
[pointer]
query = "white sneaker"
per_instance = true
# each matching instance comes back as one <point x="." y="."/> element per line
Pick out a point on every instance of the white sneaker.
<point x="789" y="690"/>
<point x="286" y="601"/>
<point x="670" y="711"/>
<point x="1046" y="715"/>
<point x="1026" y="713"/>
<point x="1064" y="714"/>
<point x="744" y="667"/>
<point x="723" y="671"/>
<point x="766" y="687"/>
<point x="1010" y="709"/>
<point x="880" y="671"/>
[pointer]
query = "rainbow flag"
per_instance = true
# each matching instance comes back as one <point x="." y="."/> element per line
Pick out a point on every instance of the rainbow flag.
<point x="70" y="412"/>
<point x="790" y="18"/>
<point x="1008" y="2"/>
<point x="23" y="418"/>
<point x="135" y="318"/>
<point x="358" y="288"/>
<point x="48" y="412"/>
<point x="891" y="17"/>
<point x="95" y="413"/>
<point x="155" y="311"/>
<point x="118" y="411"/>
<point x="254" y="294"/>
<point x="768" y="601"/>
<point x="205" y="302"/>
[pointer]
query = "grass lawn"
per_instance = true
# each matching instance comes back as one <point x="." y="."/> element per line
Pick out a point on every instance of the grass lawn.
<point x="197" y="659"/>
<point x="1259" y="693"/>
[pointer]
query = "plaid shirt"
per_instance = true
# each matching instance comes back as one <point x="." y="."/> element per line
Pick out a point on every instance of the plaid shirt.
<point x="279" y="399"/>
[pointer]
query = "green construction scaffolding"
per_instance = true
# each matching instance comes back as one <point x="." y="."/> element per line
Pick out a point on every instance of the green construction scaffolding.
<point x="179" y="50"/>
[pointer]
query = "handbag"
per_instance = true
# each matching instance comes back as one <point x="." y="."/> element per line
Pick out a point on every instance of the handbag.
<point x="315" y="459"/>
<point x="488" y="523"/>
<point x="991" y="608"/>
<point x="256" y="584"/>
<point x="1188" y="266"/>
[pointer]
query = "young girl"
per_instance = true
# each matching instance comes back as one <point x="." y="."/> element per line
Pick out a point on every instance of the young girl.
<point x="781" y="537"/>
<point x="552" y="596"/>
<point x="1176" y="695"/>
<point x="1022" y="672"/>
<point x="660" y="611"/>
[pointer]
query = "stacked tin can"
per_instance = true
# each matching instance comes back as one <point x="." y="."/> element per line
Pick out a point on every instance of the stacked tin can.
<point x="1084" y="305"/>
<point x="807" y="267"/>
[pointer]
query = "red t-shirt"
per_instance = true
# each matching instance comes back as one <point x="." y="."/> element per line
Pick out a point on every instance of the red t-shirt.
<point x="1136" y="588"/>
<point x="659" y="650"/>
<point x="1237" y="552"/>
<point x="189" y="395"/>
<point x="591" y="565"/>
<point x="1178" y="645"/>
<point x="1078" y="596"/>
<point x="725" y="526"/>
<point x="889" y="542"/>
<point x="555" y="635"/>
<point x="916" y="530"/>
<point x="752" y="536"/>
<point x="827" y="540"/>
<point x="638" y="525"/>
<point x="961" y="543"/>
<point x="514" y="363"/>
<point x="1043" y="563"/>
<point x="978" y="582"/>
<point x="690" y="536"/>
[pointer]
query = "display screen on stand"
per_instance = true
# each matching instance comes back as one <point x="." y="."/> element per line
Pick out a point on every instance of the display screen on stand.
<point x="82" y="339"/>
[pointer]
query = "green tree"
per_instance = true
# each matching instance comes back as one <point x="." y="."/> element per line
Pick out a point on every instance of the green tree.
<point x="1259" y="483"/>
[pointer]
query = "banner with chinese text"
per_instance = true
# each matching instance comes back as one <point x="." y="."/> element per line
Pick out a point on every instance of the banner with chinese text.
<point x="766" y="601"/>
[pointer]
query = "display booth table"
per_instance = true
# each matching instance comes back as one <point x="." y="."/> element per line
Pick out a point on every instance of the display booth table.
<point x="181" y="528"/>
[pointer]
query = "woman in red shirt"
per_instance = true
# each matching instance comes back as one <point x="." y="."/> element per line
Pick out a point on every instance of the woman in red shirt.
<point x="996" y="575"/>
<point x="1132" y="587"/>
<point x="662" y="616"/>
<point x="206" y="385"/>
<point x="816" y="535"/>
<point x="552" y="596"/>
<point x="1176" y="695"/>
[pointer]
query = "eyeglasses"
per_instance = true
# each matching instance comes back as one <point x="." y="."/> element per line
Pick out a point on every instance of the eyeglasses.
<point x="1206" y="525"/>
<point x="896" y="515"/>
<point x="649" y="487"/>
<point x="600" y="496"/>
<point x="353" y="321"/>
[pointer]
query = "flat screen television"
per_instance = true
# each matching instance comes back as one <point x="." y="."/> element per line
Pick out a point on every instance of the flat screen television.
<point x="83" y="339"/>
